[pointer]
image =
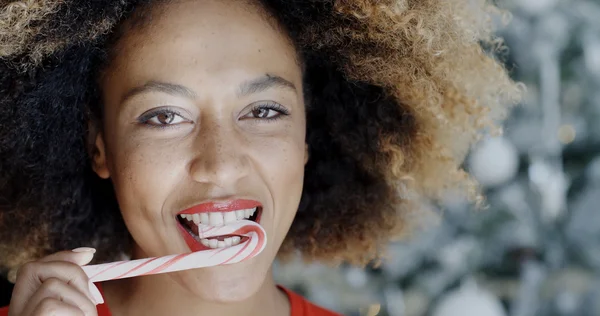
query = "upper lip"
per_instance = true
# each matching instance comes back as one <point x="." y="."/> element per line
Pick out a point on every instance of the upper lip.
<point x="222" y="206"/>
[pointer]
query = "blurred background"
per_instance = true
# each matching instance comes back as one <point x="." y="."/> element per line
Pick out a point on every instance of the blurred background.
<point x="536" y="249"/>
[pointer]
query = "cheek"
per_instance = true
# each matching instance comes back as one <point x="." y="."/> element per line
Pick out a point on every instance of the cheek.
<point x="281" y="165"/>
<point x="143" y="173"/>
<point x="282" y="159"/>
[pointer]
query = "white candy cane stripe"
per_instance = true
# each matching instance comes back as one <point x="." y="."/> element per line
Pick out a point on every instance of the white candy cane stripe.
<point x="206" y="258"/>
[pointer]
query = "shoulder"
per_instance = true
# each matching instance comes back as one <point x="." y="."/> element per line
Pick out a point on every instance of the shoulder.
<point x="4" y="311"/>
<point x="302" y="307"/>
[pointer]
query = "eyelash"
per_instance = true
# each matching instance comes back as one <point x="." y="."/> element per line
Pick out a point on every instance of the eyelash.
<point x="150" y="115"/>
<point x="268" y="106"/>
<point x="271" y="106"/>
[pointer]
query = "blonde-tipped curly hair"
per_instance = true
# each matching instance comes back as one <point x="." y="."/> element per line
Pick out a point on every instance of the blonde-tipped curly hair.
<point x="397" y="92"/>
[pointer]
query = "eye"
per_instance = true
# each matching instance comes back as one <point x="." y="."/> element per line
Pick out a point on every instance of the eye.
<point x="267" y="111"/>
<point x="166" y="119"/>
<point x="264" y="113"/>
<point x="162" y="118"/>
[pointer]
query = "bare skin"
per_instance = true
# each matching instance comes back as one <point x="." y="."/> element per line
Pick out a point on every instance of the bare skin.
<point x="204" y="103"/>
<point x="54" y="285"/>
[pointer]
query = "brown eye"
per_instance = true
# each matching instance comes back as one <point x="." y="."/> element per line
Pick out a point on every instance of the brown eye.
<point x="266" y="111"/>
<point x="162" y="118"/>
<point x="165" y="118"/>
<point x="262" y="113"/>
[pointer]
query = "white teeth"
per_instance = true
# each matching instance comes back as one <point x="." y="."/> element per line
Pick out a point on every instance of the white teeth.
<point x="204" y="218"/>
<point x="227" y="242"/>
<point x="239" y="214"/>
<point x="215" y="219"/>
<point x="219" y="218"/>
<point x="196" y="219"/>
<point x="229" y="217"/>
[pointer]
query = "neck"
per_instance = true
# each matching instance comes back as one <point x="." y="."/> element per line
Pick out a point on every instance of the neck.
<point x="161" y="295"/>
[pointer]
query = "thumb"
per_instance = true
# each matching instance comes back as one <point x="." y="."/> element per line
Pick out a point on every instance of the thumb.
<point x="79" y="256"/>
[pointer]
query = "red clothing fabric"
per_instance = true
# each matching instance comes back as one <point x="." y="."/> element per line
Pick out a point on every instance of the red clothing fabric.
<point x="299" y="305"/>
<point x="302" y="307"/>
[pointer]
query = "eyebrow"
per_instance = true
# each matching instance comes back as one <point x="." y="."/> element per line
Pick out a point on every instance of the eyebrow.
<point x="165" y="87"/>
<point x="249" y="87"/>
<point x="264" y="83"/>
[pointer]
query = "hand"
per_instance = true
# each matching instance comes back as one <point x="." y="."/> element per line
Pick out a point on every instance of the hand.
<point x="55" y="285"/>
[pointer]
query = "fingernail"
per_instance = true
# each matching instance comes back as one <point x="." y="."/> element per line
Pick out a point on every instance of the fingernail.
<point x="85" y="255"/>
<point x="84" y="249"/>
<point x="96" y="296"/>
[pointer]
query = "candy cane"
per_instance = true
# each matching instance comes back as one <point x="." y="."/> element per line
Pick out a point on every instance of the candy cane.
<point x="255" y="244"/>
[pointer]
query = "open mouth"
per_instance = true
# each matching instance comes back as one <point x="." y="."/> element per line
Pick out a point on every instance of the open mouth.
<point x="219" y="215"/>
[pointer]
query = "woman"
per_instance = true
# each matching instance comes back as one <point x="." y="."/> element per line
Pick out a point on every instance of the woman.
<point x="326" y="120"/>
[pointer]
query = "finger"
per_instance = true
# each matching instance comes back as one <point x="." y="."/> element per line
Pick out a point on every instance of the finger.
<point x="82" y="257"/>
<point x="62" y="292"/>
<point x="54" y="307"/>
<point x="78" y="256"/>
<point x="33" y="274"/>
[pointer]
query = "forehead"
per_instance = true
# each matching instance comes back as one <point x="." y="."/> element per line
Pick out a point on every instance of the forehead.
<point x="206" y="37"/>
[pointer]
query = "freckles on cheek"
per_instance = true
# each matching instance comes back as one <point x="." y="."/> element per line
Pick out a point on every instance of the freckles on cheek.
<point x="128" y="161"/>
<point x="284" y="162"/>
<point x="141" y="180"/>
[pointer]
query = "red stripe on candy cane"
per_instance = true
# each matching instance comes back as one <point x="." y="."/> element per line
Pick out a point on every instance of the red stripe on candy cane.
<point x="200" y="259"/>
<point x="134" y="269"/>
<point x="167" y="264"/>
<point x="108" y="268"/>
<point x="261" y="239"/>
<point x="237" y="254"/>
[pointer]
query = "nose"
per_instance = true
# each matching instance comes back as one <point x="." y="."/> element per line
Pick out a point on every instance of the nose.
<point x="219" y="156"/>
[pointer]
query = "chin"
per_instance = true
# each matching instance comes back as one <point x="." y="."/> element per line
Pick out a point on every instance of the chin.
<point x="224" y="284"/>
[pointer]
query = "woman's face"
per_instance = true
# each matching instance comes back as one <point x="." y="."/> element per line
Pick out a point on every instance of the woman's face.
<point x="204" y="104"/>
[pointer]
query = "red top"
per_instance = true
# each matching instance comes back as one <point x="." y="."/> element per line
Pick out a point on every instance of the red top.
<point x="299" y="305"/>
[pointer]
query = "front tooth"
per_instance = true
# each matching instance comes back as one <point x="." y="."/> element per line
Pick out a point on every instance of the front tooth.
<point x="229" y="217"/>
<point x="240" y="214"/>
<point x="204" y="242"/>
<point x="196" y="219"/>
<point x="212" y="243"/>
<point x="247" y="213"/>
<point x="228" y="241"/>
<point x="235" y="240"/>
<point x="204" y="219"/>
<point x="216" y="218"/>
<point x="220" y="244"/>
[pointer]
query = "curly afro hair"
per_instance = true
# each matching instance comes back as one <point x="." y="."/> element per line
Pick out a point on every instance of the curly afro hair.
<point x="397" y="92"/>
